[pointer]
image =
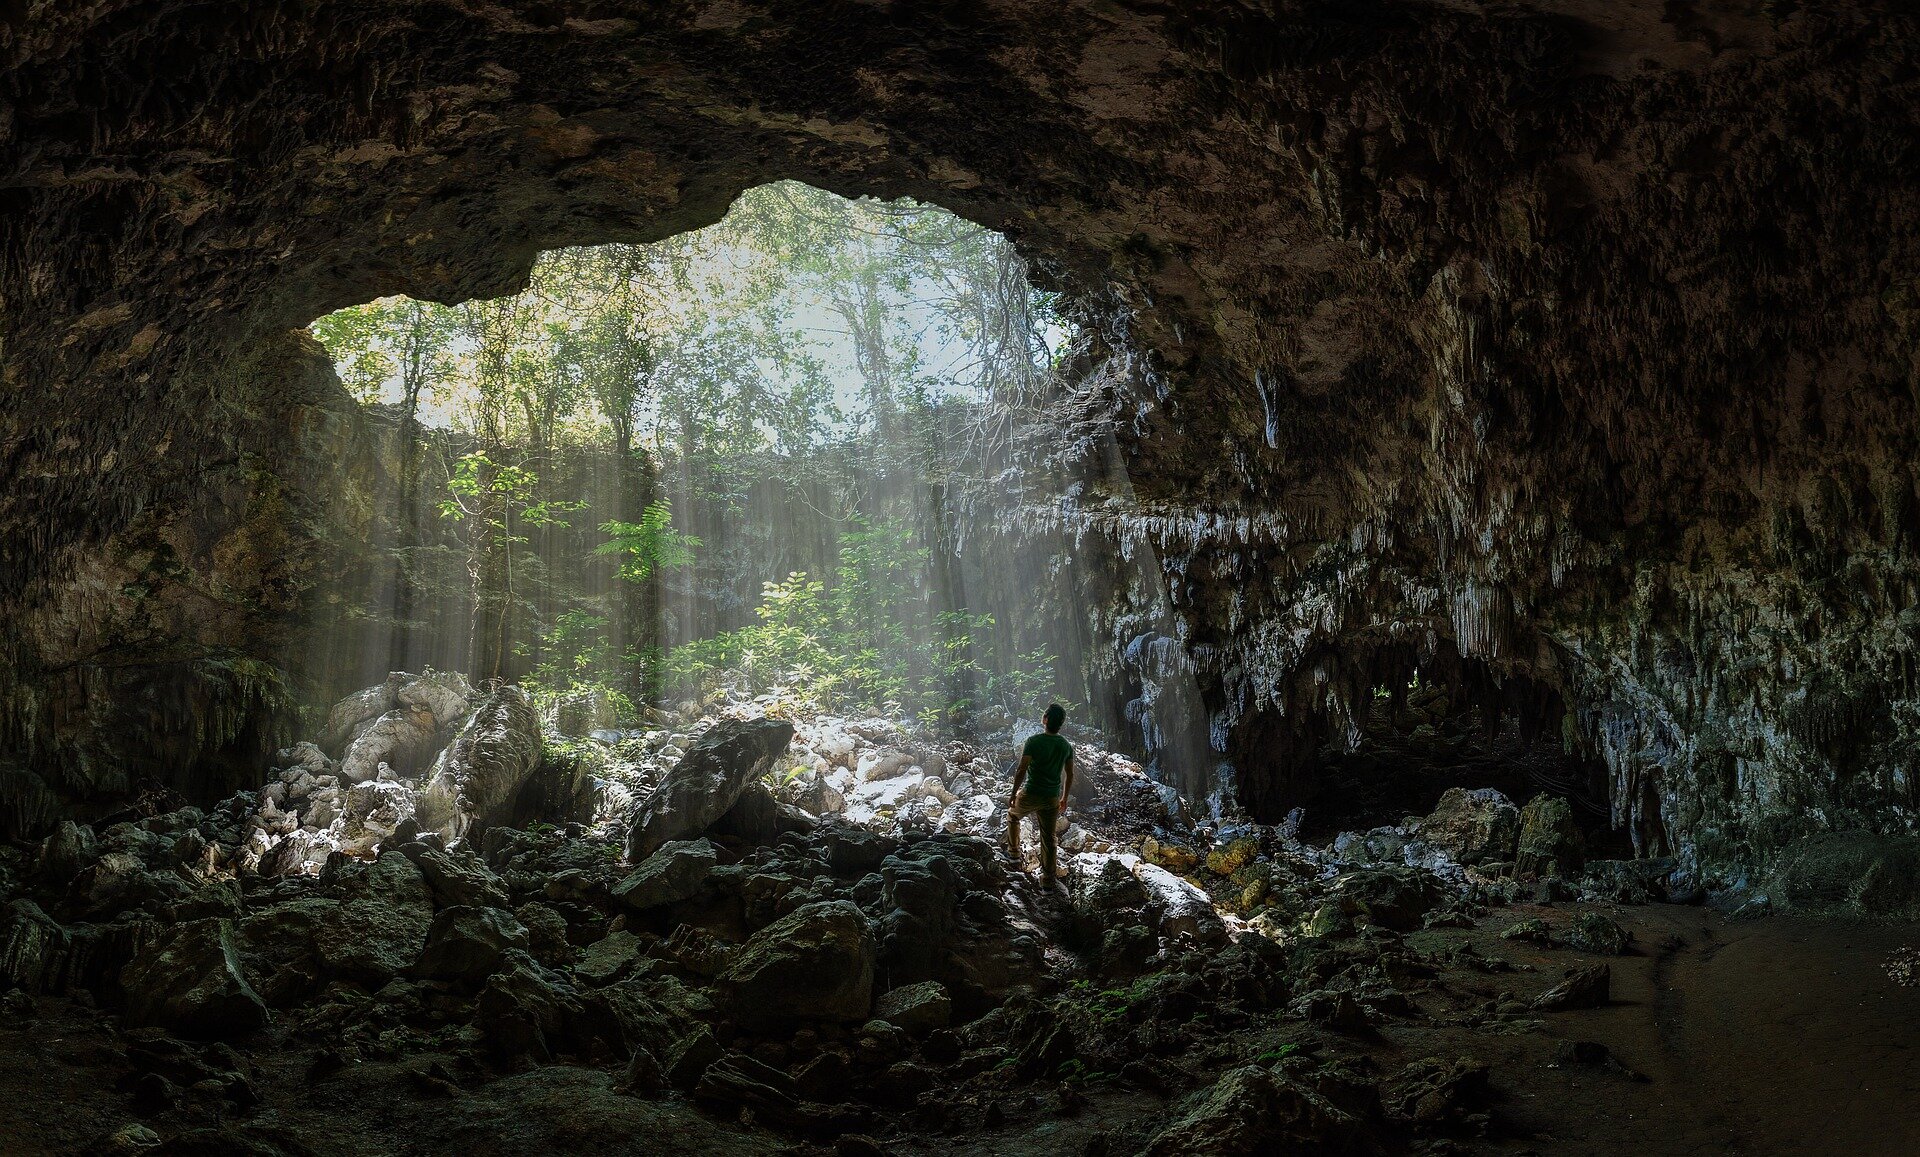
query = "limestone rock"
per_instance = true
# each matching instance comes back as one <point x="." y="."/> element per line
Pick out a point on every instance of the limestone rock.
<point x="465" y="944"/>
<point x="815" y="963"/>
<point x="377" y="933"/>
<point x="1474" y="826"/>
<point x="547" y="934"/>
<point x="1593" y="932"/>
<point x="189" y="982"/>
<point x="476" y="778"/>
<point x="581" y="713"/>
<point x="1550" y="842"/>
<point x="1253" y="1110"/>
<point x="670" y="875"/>
<point x="1392" y="897"/>
<point x="527" y="1010"/>
<point x="1434" y="1090"/>
<point x="455" y="878"/>
<point x="608" y="958"/>
<point x="916" y="1009"/>
<point x="1589" y="987"/>
<point x="36" y="951"/>
<point x="1183" y="910"/>
<point x="401" y="738"/>
<point x="706" y="782"/>
<point x="754" y="818"/>
<point x="445" y="695"/>
<point x="66" y="852"/>
<point x="353" y="714"/>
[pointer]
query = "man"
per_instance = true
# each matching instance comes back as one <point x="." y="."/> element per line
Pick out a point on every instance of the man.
<point x="1046" y="771"/>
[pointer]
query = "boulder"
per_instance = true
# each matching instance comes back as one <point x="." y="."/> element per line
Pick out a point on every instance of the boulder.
<point x="277" y="944"/>
<point x="609" y="958"/>
<point x="581" y="713"/>
<point x="303" y="756"/>
<point x="446" y="695"/>
<point x="1181" y="908"/>
<point x="353" y="714"/>
<point x="1550" y="843"/>
<point x="916" y="1009"/>
<point x="380" y="804"/>
<point x="855" y="851"/>
<point x="465" y="944"/>
<point x="455" y="878"/>
<point x="547" y="933"/>
<point x="707" y="781"/>
<point x="1589" y="987"/>
<point x="815" y="796"/>
<point x="379" y="931"/>
<point x="476" y="778"/>
<point x="882" y="764"/>
<point x="815" y="963"/>
<point x="1172" y="857"/>
<point x="1435" y="1091"/>
<point x="402" y="738"/>
<point x="527" y="1010"/>
<point x="1477" y="826"/>
<point x="1233" y="855"/>
<point x="189" y="982"/>
<point x="1254" y="1110"/>
<point x="1876" y="874"/>
<point x="36" y="952"/>
<point x="66" y="853"/>
<point x="754" y="818"/>
<point x="659" y="1014"/>
<point x="1396" y="898"/>
<point x="1592" y="932"/>
<point x="668" y="876"/>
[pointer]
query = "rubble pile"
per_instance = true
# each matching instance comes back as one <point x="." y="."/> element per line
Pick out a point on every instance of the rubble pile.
<point x="802" y="931"/>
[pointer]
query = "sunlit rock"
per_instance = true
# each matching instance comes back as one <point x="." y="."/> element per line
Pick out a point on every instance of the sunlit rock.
<point x="706" y="782"/>
<point x="476" y="776"/>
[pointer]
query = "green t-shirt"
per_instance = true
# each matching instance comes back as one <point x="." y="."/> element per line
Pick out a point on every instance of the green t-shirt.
<point x="1049" y="755"/>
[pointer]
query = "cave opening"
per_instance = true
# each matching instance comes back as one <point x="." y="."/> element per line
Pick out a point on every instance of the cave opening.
<point x="1446" y="399"/>
<point x="789" y="455"/>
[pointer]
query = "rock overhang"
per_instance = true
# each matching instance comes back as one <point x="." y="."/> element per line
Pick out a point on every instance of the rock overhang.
<point x="1552" y="338"/>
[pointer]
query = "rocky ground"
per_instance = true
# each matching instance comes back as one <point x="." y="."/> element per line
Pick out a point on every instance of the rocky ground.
<point x="449" y="925"/>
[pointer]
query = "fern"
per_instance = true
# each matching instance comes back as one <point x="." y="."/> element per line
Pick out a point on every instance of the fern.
<point x="649" y="545"/>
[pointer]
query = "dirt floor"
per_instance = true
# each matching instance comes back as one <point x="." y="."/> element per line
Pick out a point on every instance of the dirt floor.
<point x="1778" y="1035"/>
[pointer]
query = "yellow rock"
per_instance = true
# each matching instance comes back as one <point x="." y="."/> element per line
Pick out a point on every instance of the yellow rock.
<point x="1225" y="861"/>
<point x="1172" y="857"/>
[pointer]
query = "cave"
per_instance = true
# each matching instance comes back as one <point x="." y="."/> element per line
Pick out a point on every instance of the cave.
<point x="1474" y="519"/>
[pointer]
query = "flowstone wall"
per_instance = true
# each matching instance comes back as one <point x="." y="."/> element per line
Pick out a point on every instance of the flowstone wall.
<point x="1577" y="340"/>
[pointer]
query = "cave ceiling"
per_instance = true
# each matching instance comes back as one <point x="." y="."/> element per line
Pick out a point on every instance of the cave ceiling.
<point x="1574" y="339"/>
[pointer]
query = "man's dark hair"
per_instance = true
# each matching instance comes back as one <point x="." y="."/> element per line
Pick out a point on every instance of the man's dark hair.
<point x="1055" y="717"/>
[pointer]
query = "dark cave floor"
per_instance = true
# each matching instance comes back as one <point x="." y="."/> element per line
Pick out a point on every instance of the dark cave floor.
<point x="1775" y="1035"/>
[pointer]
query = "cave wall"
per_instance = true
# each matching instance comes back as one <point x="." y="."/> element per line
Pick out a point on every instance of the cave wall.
<point x="1580" y="338"/>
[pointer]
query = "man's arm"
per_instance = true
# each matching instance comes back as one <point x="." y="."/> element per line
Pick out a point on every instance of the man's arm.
<point x="1066" y="782"/>
<point x="1019" y="777"/>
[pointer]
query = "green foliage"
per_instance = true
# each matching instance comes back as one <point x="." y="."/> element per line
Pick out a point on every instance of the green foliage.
<point x="869" y="641"/>
<point x="802" y="328"/>
<point x="649" y="546"/>
<point x="495" y="493"/>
